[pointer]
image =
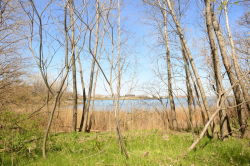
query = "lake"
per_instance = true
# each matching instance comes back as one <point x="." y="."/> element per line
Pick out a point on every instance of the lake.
<point x="142" y="104"/>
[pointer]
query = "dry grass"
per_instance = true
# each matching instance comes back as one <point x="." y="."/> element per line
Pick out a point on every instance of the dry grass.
<point x="136" y="120"/>
<point x="105" y="120"/>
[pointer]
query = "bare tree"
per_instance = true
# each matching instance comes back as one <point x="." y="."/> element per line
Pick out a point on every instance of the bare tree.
<point x="43" y="63"/>
<point x="190" y="97"/>
<point x="224" y="121"/>
<point x="218" y="109"/>
<point x="94" y="54"/>
<point x="118" y="84"/>
<point x="237" y="68"/>
<point x="83" y="93"/>
<point x="12" y="26"/>
<point x="73" y="45"/>
<point x="189" y="57"/>
<point x="169" y="68"/>
<point x="162" y="24"/>
<point x="229" y="70"/>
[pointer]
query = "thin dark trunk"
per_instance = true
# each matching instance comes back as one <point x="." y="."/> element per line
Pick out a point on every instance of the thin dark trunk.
<point x="196" y="92"/>
<point x="91" y="80"/>
<point x="72" y="21"/>
<point x="190" y="97"/>
<point x="83" y="94"/>
<point x="93" y="101"/>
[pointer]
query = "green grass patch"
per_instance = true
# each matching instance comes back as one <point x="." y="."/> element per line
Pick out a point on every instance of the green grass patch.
<point x="147" y="148"/>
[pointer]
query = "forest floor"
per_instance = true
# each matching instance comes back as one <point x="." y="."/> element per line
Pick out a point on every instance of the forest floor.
<point x="147" y="148"/>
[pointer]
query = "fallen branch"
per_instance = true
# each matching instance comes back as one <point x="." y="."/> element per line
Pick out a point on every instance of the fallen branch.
<point x="207" y="125"/>
<point x="210" y="120"/>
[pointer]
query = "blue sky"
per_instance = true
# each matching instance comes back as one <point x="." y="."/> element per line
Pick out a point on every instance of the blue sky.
<point x="143" y="34"/>
<point x="142" y="42"/>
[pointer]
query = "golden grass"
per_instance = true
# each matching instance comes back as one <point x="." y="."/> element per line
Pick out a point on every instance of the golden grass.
<point x="105" y="120"/>
<point x="135" y="120"/>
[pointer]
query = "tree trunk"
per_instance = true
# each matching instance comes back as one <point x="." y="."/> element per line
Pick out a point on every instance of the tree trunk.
<point x="195" y="90"/>
<point x="95" y="83"/>
<point x="174" y="124"/>
<point x="72" y="21"/>
<point x="238" y="71"/>
<point x="91" y="80"/>
<point x="189" y="57"/>
<point x="224" y="128"/>
<point x="218" y="108"/>
<point x="190" y="97"/>
<point x="228" y="67"/>
<point x="83" y="94"/>
<point x="118" y="88"/>
<point x="93" y="101"/>
<point x="45" y="138"/>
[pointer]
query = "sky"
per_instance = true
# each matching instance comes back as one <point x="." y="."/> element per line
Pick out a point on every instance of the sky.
<point x="146" y="51"/>
<point x="142" y="44"/>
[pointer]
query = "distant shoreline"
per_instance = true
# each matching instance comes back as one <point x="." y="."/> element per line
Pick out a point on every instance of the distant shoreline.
<point x="128" y="98"/>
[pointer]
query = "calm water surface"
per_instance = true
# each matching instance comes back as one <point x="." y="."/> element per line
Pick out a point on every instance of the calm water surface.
<point x="142" y="104"/>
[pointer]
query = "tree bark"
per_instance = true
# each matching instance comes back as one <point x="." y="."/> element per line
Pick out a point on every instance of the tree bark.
<point x="237" y="68"/>
<point x="118" y="87"/>
<point x="83" y="94"/>
<point x="189" y="57"/>
<point x="61" y="85"/>
<point x="228" y="67"/>
<point x="224" y="124"/>
<point x="218" y="108"/>
<point x="190" y="97"/>
<point x="174" y="124"/>
<point x="91" y="80"/>
<point x="86" y="116"/>
<point x="72" y="22"/>
<point x="93" y="101"/>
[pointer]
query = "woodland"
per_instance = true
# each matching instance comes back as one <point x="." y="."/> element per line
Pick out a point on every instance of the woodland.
<point x="60" y="58"/>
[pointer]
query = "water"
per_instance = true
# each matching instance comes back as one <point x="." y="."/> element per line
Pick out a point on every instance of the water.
<point x="143" y="104"/>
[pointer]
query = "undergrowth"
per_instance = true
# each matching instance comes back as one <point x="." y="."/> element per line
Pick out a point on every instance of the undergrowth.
<point x="144" y="147"/>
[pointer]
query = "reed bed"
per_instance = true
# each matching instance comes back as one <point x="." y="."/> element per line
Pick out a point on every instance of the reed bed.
<point x="134" y="120"/>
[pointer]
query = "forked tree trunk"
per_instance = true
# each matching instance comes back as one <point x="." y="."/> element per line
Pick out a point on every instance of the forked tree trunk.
<point x="93" y="101"/>
<point x="91" y="117"/>
<point x="45" y="138"/>
<point x="224" y="124"/>
<point x="83" y="94"/>
<point x="228" y="67"/>
<point x="91" y="81"/>
<point x="86" y="115"/>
